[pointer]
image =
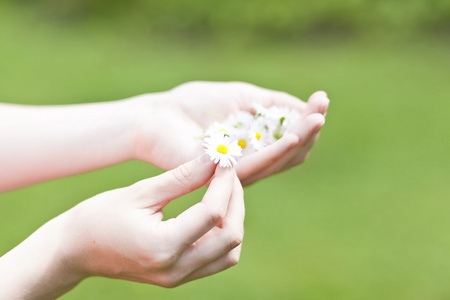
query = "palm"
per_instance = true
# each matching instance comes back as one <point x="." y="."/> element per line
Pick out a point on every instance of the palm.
<point x="189" y="109"/>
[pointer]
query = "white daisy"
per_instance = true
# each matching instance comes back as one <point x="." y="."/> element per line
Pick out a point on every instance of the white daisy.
<point x="222" y="149"/>
<point x="261" y="111"/>
<point x="292" y="121"/>
<point x="260" y="134"/>
<point x="244" y="141"/>
<point x="219" y="127"/>
<point x="248" y="132"/>
<point x="279" y="114"/>
<point x="283" y="120"/>
<point x="240" y="120"/>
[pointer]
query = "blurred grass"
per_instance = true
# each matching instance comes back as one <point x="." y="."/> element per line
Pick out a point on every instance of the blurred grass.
<point x="366" y="217"/>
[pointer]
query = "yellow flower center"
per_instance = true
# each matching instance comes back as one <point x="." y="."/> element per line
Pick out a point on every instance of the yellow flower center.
<point x="242" y="144"/>
<point x="222" y="149"/>
<point x="258" y="135"/>
<point x="224" y="130"/>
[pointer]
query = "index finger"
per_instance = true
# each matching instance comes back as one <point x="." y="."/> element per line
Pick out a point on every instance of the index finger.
<point x="197" y="220"/>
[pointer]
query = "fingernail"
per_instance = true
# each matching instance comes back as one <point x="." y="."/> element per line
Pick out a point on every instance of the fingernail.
<point x="292" y="139"/>
<point x="318" y="127"/>
<point x="205" y="159"/>
<point x="322" y="93"/>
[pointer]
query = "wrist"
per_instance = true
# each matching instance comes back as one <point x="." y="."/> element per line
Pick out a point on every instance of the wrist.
<point x="148" y="112"/>
<point x="120" y="119"/>
<point x="39" y="267"/>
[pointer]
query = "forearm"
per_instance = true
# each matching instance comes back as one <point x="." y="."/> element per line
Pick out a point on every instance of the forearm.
<point x="37" y="268"/>
<point x="44" y="142"/>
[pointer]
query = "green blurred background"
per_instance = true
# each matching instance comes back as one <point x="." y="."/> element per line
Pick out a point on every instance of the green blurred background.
<point x="366" y="217"/>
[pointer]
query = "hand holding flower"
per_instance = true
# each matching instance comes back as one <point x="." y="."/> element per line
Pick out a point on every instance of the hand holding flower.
<point x="121" y="234"/>
<point x="172" y="125"/>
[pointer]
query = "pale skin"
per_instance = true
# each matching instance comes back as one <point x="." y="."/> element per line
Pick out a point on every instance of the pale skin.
<point x="121" y="233"/>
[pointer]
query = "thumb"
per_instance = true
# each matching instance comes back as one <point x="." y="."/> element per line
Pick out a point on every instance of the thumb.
<point x="177" y="182"/>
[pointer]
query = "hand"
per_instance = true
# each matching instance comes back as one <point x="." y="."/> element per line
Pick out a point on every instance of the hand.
<point x="165" y="129"/>
<point x="170" y="132"/>
<point x="121" y="234"/>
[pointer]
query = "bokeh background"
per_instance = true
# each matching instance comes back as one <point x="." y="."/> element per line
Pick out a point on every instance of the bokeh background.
<point x="366" y="217"/>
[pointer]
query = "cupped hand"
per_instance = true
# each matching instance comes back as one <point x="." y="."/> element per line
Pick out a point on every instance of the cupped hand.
<point x="171" y="131"/>
<point x="122" y="234"/>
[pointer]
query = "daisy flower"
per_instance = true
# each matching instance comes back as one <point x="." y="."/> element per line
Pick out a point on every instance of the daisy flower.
<point x="244" y="141"/>
<point x="222" y="149"/>
<point x="292" y="121"/>
<point x="261" y="111"/>
<point x="219" y="127"/>
<point x="278" y="114"/>
<point x="283" y="119"/>
<point x="240" y="120"/>
<point x="243" y="133"/>
<point x="260" y="134"/>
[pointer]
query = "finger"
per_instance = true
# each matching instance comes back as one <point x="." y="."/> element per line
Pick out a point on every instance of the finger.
<point x="305" y="133"/>
<point x="175" y="183"/>
<point x="236" y="208"/>
<point x="197" y="220"/>
<point x="218" y="241"/>
<point x="255" y="162"/>
<point x="317" y="103"/>
<point x="282" y="99"/>
<point x="266" y="97"/>
<point x="283" y="166"/>
<point x="266" y="166"/>
<point x="307" y="126"/>
<point x="228" y="260"/>
<point x="303" y="154"/>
